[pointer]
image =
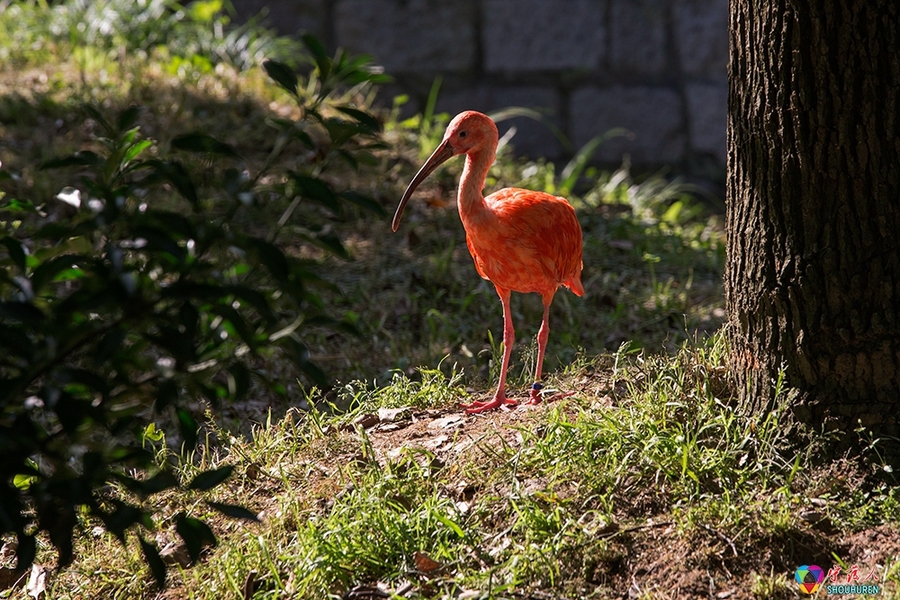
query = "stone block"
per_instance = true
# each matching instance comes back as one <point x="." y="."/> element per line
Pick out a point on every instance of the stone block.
<point x="532" y="138"/>
<point x="409" y="36"/>
<point x="701" y="36"/>
<point x="707" y="105"/>
<point x="638" y="37"/>
<point x="288" y="16"/>
<point x="652" y="115"/>
<point x="537" y="35"/>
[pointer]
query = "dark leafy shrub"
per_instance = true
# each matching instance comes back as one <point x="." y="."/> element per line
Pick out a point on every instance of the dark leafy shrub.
<point x="143" y="292"/>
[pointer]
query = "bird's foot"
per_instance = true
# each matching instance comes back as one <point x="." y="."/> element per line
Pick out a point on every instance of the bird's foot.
<point x="538" y="392"/>
<point x="536" y="397"/>
<point x="492" y="404"/>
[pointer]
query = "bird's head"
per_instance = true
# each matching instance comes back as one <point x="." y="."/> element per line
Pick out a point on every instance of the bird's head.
<point x="469" y="131"/>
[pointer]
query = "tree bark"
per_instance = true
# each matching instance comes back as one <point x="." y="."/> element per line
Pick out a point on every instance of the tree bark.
<point x="812" y="282"/>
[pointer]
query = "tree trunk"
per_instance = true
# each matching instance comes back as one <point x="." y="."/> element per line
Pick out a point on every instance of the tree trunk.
<point x="812" y="280"/>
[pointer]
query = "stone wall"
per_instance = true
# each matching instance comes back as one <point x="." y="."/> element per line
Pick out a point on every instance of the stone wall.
<point x="654" y="67"/>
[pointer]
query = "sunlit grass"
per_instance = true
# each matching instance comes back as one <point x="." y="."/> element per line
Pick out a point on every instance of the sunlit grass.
<point x="554" y="500"/>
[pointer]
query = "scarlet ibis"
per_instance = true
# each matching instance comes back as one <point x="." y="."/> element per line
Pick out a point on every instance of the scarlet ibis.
<point x="521" y="240"/>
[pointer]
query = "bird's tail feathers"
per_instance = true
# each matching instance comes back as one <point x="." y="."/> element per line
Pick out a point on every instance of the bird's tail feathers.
<point x="574" y="284"/>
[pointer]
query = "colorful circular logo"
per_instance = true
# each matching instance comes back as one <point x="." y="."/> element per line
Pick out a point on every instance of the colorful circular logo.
<point x="810" y="577"/>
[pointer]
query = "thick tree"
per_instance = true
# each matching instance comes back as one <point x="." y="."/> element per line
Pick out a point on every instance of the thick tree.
<point x="812" y="280"/>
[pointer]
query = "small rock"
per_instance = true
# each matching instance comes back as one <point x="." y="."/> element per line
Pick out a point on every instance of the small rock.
<point x="366" y="420"/>
<point x="812" y="515"/>
<point x="175" y="554"/>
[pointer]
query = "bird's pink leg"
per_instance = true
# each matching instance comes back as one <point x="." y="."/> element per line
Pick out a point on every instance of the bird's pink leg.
<point x="543" y="335"/>
<point x="509" y="338"/>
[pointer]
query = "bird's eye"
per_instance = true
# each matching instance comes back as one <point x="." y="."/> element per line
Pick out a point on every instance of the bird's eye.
<point x="462" y="134"/>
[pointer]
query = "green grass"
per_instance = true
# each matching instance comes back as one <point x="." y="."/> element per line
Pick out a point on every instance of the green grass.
<point x="646" y="482"/>
<point x="648" y="465"/>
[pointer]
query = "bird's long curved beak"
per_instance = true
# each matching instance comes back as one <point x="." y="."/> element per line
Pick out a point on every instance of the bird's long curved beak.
<point x="437" y="158"/>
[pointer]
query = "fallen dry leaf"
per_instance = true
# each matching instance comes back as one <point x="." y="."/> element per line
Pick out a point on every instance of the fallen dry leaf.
<point x="448" y="422"/>
<point x="425" y="564"/>
<point x="8" y="551"/>
<point x="37" y="581"/>
<point x="435" y="443"/>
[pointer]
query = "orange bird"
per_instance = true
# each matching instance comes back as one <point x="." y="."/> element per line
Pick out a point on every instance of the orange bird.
<point x="521" y="240"/>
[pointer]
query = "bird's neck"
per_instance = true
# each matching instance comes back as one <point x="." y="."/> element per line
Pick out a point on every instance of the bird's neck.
<point x="470" y="198"/>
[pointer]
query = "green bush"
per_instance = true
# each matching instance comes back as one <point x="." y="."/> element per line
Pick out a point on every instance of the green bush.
<point x="196" y="30"/>
<point x="143" y="291"/>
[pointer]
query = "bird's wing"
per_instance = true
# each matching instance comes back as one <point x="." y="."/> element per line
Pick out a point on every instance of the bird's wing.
<point x="542" y="225"/>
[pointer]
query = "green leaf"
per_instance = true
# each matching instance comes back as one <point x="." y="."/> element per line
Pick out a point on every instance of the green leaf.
<point x="49" y="269"/>
<point x="160" y="482"/>
<point x="572" y="171"/>
<point x="210" y="479"/>
<point x="301" y="358"/>
<point x="154" y="561"/>
<point x="315" y="47"/>
<point x="166" y="394"/>
<point x="272" y="257"/>
<point x="205" y="11"/>
<point x="201" y="142"/>
<point x="283" y="75"/>
<point x="332" y="323"/>
<point x="17" y="205"/>
<point x="128" y="117"/>
<point x="15" y="341"/>
<point x="238" y="381"/>
<point x="317" y="190"/>
<point x="361" y="117"/>
<point x="135" y="150"/>
<point x="341" y="131"/>
<point x="121" y="518"/>
<point x="363" y="201"/>
<point x="315" y="373"/>
<point x="175" y="173"/>
<point x="24" y="312"/>
<point x="326" y="241"/>
<point x="95" y="114"/>
<point x="80" y="159"/>
<point x="195" y="533"/>
<point x="23" y="482"/>
<point x="450" y="524"/>
<point x="25" y="551"/>
<point x="237" y="321"/>
<point x="16" y="251"/>
<point x="255" y="299"/>
<point x="188" y="427"/>
<point x="234" y="511"/>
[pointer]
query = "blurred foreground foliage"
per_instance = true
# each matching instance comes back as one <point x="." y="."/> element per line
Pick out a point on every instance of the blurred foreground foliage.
<point x="157" y="278"/>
